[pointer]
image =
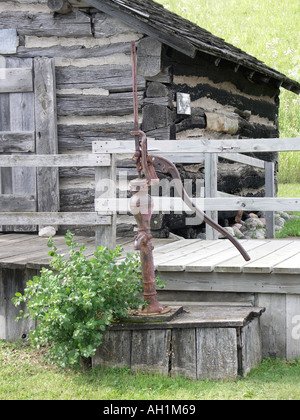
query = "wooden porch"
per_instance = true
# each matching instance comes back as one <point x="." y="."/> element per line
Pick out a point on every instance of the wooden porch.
<point x="198" y="273"/>
<point x="176" y="256"/>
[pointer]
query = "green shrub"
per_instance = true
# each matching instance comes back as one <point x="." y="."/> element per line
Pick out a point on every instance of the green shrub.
<point x="75" y="300"/>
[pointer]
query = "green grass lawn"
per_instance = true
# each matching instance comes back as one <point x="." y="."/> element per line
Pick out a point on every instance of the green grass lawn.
<point x="269" y="30"/>
<point x="289" y="190"/>
<point x="24" y="375"/>
<point x="266" y="29"/>
<point x="292" y="227"/>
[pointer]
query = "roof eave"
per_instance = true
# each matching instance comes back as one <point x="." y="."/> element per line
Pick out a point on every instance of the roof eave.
<point x="142" y="23"/>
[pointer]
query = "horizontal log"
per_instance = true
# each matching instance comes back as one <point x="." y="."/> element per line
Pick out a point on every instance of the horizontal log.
<point x="156" y="116"/>
<point x="83" y="218"/>
<point x="79" y="50"/>
<point x="257" y="105"/>
<point x="77" y="200"/>
<point x="106" y="26"/>
<point x="204" y="66"/>
<point x="115" y="78"/>
<point x="9" y="202"/>
<point x="16" y="80"/>
<point x="17" y="142"/>
<point x="157" y="147"/>
<point x="168" y="204"/>
<point x="54" y="161"/>
<point x="114" y="104"/>
<point x="75" y="24"/>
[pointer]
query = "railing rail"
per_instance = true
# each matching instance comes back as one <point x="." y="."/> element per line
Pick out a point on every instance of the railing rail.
<point x="107" y="153"/>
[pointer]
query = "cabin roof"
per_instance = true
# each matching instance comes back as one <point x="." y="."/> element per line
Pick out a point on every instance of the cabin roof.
<point x="186" y="37"/>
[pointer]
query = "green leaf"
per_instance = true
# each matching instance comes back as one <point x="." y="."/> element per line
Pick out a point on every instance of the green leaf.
<point x="77" y="298"/>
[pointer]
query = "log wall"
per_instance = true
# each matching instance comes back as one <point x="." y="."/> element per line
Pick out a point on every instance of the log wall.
<point x="93" y="80"/>
<point x="94" y="92"/>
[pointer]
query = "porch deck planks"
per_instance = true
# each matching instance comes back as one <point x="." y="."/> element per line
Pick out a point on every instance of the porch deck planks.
<point x="237" y="264"/>
<point x="267" y="256"/>
<point x="31" y="251"/>
<point x="209" y="264"/>
<point x="179" y="260"/>
<point x="188" y="255"/>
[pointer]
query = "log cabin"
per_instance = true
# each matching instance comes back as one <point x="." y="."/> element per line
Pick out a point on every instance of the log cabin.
<point x="66" y="81"/>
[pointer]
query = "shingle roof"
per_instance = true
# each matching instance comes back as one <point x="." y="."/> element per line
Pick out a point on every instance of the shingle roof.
<point x="179" y="33"/>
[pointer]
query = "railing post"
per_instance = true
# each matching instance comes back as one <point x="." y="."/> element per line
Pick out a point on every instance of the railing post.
<point x="105" y="187"/>
<point x="211" y="190"/>
<point x="270" y="192"/>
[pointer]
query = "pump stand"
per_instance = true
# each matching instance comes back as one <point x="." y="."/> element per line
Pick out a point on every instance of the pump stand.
<point x="141" y="207"/>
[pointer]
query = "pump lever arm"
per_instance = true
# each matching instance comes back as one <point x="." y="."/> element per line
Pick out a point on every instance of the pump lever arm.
<point x="165" y="166"/>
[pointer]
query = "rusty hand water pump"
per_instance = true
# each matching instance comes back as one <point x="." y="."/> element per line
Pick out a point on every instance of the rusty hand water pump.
<point x="141" y="203"/>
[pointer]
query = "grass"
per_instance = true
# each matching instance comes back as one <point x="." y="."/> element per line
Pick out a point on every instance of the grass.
<point x="289" y="190"/>
<point x="289" y="168"/>
<point x="292" y="227"/>
<point x="24" y="375"/>
<point x="268" y="30"/>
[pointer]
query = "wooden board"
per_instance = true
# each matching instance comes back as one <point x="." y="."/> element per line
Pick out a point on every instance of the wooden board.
<point x="149" y="350"/>
<point x="216" y="353"/>
<point x="73" y="24"/>
<point x="114" y="350"/>
<point x="177" y="261"/>
<point x="268" y="263"/>
<point x="263" y="249"/>
<point x="288" y="266"/>
<point x="184" y="356"/>
<point x="250" y="350"/>
<point x="46" y="129"/>
<point x="17" y="116"/>
<point x="115" y="78"/>
<point x="50" y="218"/>
<point x="17" y="142"/>
<point x="54" y="160"/>
<point x="15" y="203"/>
<point x="16" y="80"/>
<point x="202" y="146"/>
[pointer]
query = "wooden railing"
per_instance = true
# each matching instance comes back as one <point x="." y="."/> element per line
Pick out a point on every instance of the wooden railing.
<point x="192" y="151"/>
<point x="19" y="217"/>
<point x="104" y="159"/>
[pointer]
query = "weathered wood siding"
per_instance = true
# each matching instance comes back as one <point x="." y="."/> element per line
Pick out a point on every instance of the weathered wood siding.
<point x="93" y="80"/>
<point x="226" y="102"/>
<point x="94" y="84"/>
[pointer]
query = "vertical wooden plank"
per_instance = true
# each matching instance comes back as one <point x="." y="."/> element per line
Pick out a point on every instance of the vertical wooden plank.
<point x="150" y="350"/>
<point x="0" y="193"/>
<point x="251" y="346"/>
<point x="211" y="189"/>
<point x="46" y="132"/>
<point x="2" y="309"/>
<point x="22" y="119"/>
<point x="217" y="353"/>
<point x="270" y="192"/>
<point x="183" y="360"/>
<point x="273" y="324"/>
<point x="105" y="187"/>
<point x="292" y="326"/>
<point x="14" y="280"/>
<point x="114" y="350"/>
<point x="6" y="173"/>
